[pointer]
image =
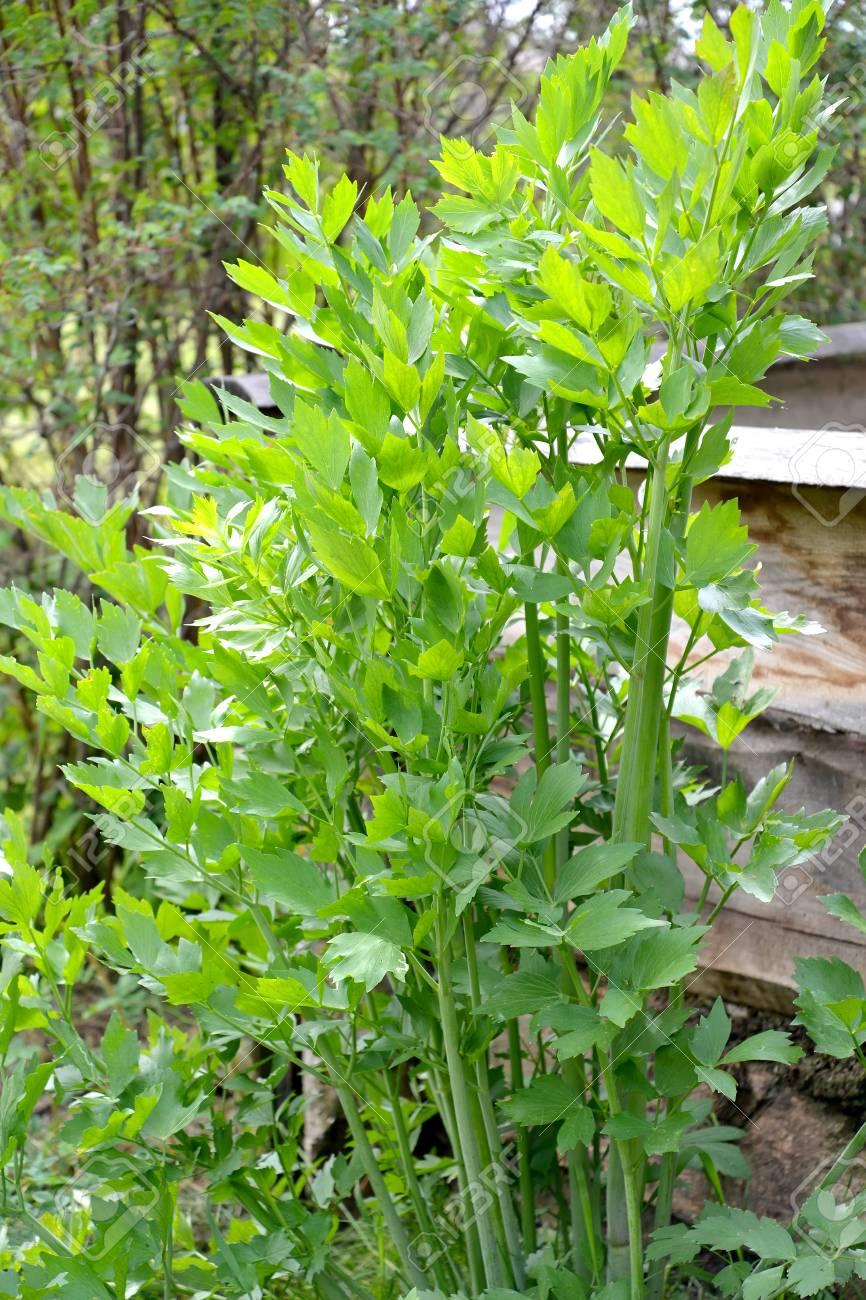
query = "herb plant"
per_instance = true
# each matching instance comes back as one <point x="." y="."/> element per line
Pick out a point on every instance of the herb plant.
<point x="382" y="721"/>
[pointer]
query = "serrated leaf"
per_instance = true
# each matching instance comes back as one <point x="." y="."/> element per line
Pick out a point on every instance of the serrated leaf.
<point x="771" y="1045"/>
<point x="589" y="867"/>
<point x="289" y="880"/>
<point x="711" y="1034"/>
<point x="365" y="959"/>
<point x="547" y="1100"/>
<point x="353" y="563"/>
<point x="522" y="994"/>
<point x="602" y="922"/>
<point x="662" y="958"/>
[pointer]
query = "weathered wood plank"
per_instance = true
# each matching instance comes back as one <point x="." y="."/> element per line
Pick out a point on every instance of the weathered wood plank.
<point x="820" y="571"/>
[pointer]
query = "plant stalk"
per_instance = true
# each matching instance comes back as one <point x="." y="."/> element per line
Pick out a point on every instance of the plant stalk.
<point x="479" y="1201"/>
<point x="371" y="1169"/>
<point x="499" y="1173"/>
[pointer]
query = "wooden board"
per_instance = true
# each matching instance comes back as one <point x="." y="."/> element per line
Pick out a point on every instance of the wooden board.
<point x="754" y="941"/>
<point x="819" y="571"/>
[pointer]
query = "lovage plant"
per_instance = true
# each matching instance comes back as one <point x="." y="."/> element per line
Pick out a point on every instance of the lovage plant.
<point x="382" y="723"/>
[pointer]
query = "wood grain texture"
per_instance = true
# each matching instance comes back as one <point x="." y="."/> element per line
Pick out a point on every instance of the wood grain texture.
<point x="810" y="568"/>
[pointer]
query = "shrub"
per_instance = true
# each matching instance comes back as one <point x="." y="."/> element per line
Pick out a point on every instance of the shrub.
<point x="403" y="809"/>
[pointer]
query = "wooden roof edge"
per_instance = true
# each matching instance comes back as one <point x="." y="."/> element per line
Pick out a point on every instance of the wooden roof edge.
<point x="831" y="457"/>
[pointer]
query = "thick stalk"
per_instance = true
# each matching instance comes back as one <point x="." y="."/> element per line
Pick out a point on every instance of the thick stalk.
<point x="537" y="695"/>
<point x="668" y="1170"/>
<point x="664" y="1208"/>
<point x="478" y="1198"/>
<point x="631" y="821"/>
<point x="583" y="1240"/>
<point x="580" y="1205"/>
<point x="416" y="1195"/>
<point x="498" y="1172"/>
<point x="524" y="1150"/>
<point x="563" y="677"/>
<point x="636" y="781"/>
<point x="371" y="1169"/>
<point x="540" y="726"/>
<point x="470" y="1235"/>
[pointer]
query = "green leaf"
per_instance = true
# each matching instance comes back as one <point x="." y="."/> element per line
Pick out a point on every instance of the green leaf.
<point x="289" y="880"/>
<point x="366" y="492"/>
<point x="615" y="194"/>
<point x="688" y="279"/>
<point x="764" y="1284"/>
<point x="459" y="539"/>
<point x="401" y="380"/>
<point x="717" y="545"/>
<point x="189" y="988"/>
<point x="549" y="811"/>
<point x="626" y="1126"/>
<point x="728" y="1228"/>
<point x="353" y="563"/>
<point x="120" y="1051"/>
<point x="770" y="1045"/>
<point x="810" y="1274"/>
<point x="522" y="934"/>
<point x="284" y="991"/>
<point x="323" y="441"/>
<point x="587" y="303"/>
<point x="712" y="46"/>
<point x="365" y="959"/>
<point x="338" y="207"/>
<point x="439" y="663"/>
<point x="662" y="958"/>
<point x="20" y="897"/>
<point x="846" y="909"/>
<point x="590" y="867"/>
<point x="547" y="1100"/>
<point x="401" y="465"/>
<point x="602" y="922"/>
<point x="718" y="1081"/>
<point x="576" y="1130"/>
<point x="710" y="1036"/>
<point x="117" y="633"/>
<point x="522" y="994"/>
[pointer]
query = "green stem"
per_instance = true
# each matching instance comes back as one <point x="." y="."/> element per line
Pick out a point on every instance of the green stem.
<point x="540" y="725"/>
<point x="636" y="781"/>
<point x="625" y="1232"/>
<point x="631" y="821"/>
<point x="664" y="1206"/>
<point x="843" y="1160"/>
<point x="563" y="676"/>
<point x="600" y="759"/>
<point x="587" y="1261"/>
<point x="368" y="1161"/>
<point x="499" y="1174"/>
<point x="524" y="1149"/>
<point x="466" y="1134"/>
<point x="470" y="1235"/>
<point x="425" y="1222"/>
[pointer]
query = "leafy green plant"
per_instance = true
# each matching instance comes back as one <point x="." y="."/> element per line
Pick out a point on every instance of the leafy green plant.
<point x="402" y="809"/>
